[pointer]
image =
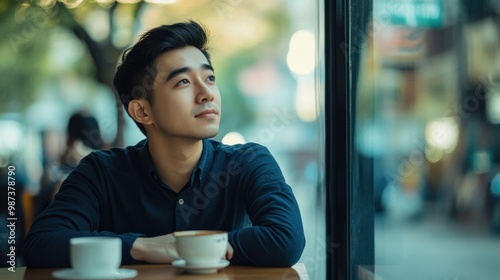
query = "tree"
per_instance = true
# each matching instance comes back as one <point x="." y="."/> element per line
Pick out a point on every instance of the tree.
<point x="27" y="26"/>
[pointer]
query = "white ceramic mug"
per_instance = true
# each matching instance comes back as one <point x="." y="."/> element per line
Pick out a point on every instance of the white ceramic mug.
<point x="201" y="247"/>
<point x="94" y="256"/>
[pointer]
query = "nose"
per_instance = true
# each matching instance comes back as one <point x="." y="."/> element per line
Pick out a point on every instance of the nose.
<point x="206" y="93"/>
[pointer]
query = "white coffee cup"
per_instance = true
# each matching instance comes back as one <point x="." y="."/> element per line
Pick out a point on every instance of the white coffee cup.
<point x="94" y="256"/>
<point x="201" y="247"/>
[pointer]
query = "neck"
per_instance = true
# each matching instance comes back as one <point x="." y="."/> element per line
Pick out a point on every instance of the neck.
<point x="175" y="159"/>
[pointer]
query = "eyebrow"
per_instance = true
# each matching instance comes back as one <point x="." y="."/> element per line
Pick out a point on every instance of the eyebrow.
<point x="181" y="70"/>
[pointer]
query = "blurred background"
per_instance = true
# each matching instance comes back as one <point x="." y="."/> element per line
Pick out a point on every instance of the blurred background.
<point x="58" y="58"/>
<point x="428" y="118"/>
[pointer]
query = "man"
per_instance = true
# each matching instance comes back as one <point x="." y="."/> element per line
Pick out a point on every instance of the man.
<point x="177" y="178"/>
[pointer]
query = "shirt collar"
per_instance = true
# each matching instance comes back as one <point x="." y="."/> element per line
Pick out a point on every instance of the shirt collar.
<point x="199" y="173"/>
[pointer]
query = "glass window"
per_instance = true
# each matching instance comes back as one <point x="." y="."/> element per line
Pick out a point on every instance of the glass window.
<point x="427" y="122"/>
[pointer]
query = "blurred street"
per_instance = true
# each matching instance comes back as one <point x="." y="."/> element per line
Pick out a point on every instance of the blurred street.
<point x="435" y="249"/>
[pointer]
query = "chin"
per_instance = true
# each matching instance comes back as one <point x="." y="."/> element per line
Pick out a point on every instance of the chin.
<point x="208" y="134"/>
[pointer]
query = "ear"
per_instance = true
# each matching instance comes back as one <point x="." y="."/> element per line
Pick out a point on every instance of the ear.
<point x="139" y="110"/>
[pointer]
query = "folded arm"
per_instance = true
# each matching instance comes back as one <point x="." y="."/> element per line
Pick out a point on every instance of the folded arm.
<point x="73" y="213"/>
<point x="276" y="237"/>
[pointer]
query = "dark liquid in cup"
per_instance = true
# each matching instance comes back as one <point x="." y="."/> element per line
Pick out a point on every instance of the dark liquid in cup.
<point x="199" y="233"/>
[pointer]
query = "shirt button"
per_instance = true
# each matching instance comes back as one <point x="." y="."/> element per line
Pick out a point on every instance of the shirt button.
<point x="181" y="201"/>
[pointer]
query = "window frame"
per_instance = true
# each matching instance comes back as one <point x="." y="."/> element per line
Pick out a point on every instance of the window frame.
<point x="348" y="178"/>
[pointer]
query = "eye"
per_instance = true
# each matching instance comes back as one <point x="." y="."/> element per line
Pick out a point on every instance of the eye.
<point x="182" y="82"/>
<point x="211" y="78"/>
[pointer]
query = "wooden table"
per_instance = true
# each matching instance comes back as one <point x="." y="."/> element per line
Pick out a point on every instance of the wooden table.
<point x="163" y="272"/>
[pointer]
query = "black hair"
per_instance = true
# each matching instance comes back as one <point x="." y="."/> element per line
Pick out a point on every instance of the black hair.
<point x="84" y="127"/>
<point x="136" y="73"/>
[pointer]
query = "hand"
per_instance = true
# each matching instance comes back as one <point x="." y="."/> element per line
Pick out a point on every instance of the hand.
<point x="230" y="251"/>
<point x="159" y="249"/>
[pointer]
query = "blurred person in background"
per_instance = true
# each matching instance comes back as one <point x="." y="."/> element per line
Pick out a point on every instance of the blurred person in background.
<point x="177" y="178"/>
<point x="83" y="136"/>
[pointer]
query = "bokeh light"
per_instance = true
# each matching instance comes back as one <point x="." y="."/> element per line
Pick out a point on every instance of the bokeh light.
<point x="302" y="52"/>
<point x="232" y="138"/>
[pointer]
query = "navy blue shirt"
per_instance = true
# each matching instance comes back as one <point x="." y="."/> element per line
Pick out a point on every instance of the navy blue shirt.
<point x="117" y="192"/>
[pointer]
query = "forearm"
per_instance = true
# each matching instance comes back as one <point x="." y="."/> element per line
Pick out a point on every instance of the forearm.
<point x="276" y="237"/>
<point x="50" y="248"/>
<point x="265" y="246"/>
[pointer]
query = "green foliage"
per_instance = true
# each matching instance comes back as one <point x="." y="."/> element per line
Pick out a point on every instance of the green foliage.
<point x="22" y="53"/>
<point x="26" y="54"/>
<point x="27" y="50"/>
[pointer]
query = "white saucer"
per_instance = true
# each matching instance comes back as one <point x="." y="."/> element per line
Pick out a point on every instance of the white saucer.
<point x="200" y="269"/>
<point x="71" y="274"/>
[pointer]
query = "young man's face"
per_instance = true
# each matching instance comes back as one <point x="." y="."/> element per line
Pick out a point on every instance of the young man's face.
<point x="186" y="102"/>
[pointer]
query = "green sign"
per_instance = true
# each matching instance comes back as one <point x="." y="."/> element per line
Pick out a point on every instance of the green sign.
<point x="414" y="13"/>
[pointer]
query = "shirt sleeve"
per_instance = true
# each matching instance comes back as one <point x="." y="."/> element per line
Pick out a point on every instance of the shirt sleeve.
<point x="276" y="237"/>
<point x="74" y="212"/>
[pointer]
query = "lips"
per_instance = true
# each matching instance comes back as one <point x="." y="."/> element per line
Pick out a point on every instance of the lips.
<point x="207" y="112"/>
